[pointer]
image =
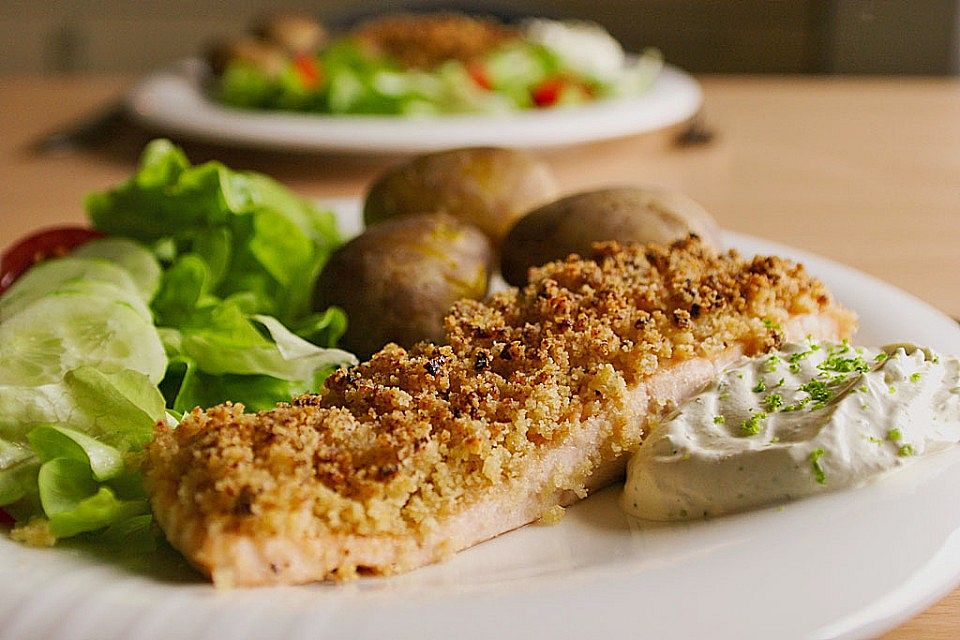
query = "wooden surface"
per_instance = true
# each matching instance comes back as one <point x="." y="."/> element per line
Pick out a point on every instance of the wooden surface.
<point x="866" y="172"/>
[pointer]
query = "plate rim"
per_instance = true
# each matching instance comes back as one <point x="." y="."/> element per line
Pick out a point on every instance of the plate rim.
<point x="183" y="110"/>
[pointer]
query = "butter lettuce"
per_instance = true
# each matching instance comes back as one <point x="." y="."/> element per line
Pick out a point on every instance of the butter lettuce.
<point x="201" y="296"/>
<point x="91" y="428"/>
<point x="220" y="354"/>
<point x="254" y="234"/>
<point x="75" y="502"/>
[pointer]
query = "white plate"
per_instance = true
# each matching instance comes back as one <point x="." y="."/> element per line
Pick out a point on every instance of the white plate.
<point x="173" y="102"/>
<point x="846" y="565"/>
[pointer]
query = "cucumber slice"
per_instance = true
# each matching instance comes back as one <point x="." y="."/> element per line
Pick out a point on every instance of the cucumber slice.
<point x="106" y="291"/>
<point x="64" y="331"/>
<point x="139" y="262"/>
<point x="47" y="276"/>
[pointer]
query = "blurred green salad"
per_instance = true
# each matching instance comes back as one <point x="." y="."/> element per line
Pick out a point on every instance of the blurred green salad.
<point x="192" y="290"/>
<point x="421" y="65"/>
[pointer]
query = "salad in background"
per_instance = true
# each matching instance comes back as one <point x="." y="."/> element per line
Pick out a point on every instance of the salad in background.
<point x="422" y="65"/>
<point x="193" y="288"/>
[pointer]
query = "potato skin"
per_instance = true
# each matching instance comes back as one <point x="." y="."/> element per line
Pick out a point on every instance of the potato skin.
<point x="626" y="214"/>
<point x="397" y="280"/>
<point x="487" y="187"/>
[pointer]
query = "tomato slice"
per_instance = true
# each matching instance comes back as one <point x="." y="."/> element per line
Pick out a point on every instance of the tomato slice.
<point x="478" y="73"/>
<point x="308" y="70"/>
<point x="6" y="520"/>
<point x="37" y="247"/>
<point x="547" y="92"/>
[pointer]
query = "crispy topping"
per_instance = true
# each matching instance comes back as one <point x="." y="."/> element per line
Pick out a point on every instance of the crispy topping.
<point x="408" y="438"/>
<point x="424" y="41"/>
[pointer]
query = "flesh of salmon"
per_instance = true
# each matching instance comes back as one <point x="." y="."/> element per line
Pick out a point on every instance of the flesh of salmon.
<point x="535" y="400"/>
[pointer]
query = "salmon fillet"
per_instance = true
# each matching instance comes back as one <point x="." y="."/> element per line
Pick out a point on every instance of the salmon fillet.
<point x="535" y="400"/>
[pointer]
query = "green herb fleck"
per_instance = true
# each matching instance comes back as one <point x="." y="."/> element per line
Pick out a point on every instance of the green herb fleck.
<point x="905" y="450"/>
<point x="760" y="387"/>
<point x="818" y="471"/>
<point x="752" y="425"/>
<point x="894" y="434"/>
<point x="719" y="420"/>
<point x="773" y="402"/>
<point x="880" y="357"/>
<point x="915" y="377"/>
<point x="795" y="358"/>
<point x="796" y="406"/>
<point x="770" y="324"/>
<point x="875" y="440"/>
<point x="722" y="391"/>
<point x="863" y="388"/>
<point x="935" y="359"/>
<point x="818" y="392"/>
<point x="782" y="380"/>
<point x="771" y="364"/>
<point x="892" y="389"/>
<point x="838" y="364"/>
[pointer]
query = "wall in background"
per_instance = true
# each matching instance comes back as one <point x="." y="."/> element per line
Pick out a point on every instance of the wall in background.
<point x="799" y="36"/>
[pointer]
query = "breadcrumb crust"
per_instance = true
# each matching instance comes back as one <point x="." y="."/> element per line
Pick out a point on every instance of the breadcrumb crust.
<point x="395" y="445"/>
<point x="425" y="41"/>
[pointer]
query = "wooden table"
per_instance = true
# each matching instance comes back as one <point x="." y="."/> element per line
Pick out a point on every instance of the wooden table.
<point x="866" y="172"/>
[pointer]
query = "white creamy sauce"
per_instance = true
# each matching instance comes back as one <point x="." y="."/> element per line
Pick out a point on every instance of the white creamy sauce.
<point x="584" y="46"/>
<point x="811" y="418"/>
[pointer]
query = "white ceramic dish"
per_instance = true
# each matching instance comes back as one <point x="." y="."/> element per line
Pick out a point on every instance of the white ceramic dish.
<point x="173" y="102"/>
<point x="846" y="565"/>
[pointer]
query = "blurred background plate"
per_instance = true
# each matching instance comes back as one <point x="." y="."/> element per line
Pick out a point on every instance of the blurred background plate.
<point x="173" y="102"/>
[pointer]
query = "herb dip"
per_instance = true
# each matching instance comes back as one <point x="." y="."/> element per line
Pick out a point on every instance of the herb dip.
<point x="584" y="46"/>
<point x="810" y="418"/>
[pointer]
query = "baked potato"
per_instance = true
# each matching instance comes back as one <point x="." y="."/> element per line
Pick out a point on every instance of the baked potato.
<point x="397" y="280"/>
<point x="626" y="214"/>
<point x="487" y="187"/>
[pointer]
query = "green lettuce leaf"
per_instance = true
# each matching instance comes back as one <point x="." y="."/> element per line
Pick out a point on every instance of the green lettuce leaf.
<point x="222" y="339"/>
<point x="253" y="233"/>
<point x="322" y="329"/>
<point x="122" y="407"/>
<point x="118" y="408"/>
<point x="232" y="257"/>
<point x="17" y="480"/>
<point x="53" y="441"/>
<point x="189" y="387"/>
<point x="181" y="289"/>
<point x="74" y="502"/>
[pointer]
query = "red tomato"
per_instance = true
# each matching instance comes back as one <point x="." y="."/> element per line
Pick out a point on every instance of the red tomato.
<point x="478" y="73"/>
<point x="547" y="92"/>
<point x="37" y="247"/>
<point x="6" y="520"/>
<point x="308" y="70"/>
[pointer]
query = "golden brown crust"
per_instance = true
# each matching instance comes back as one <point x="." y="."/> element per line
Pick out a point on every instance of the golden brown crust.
<point x="408" y="438"/>
<point x="425" y="41"/>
